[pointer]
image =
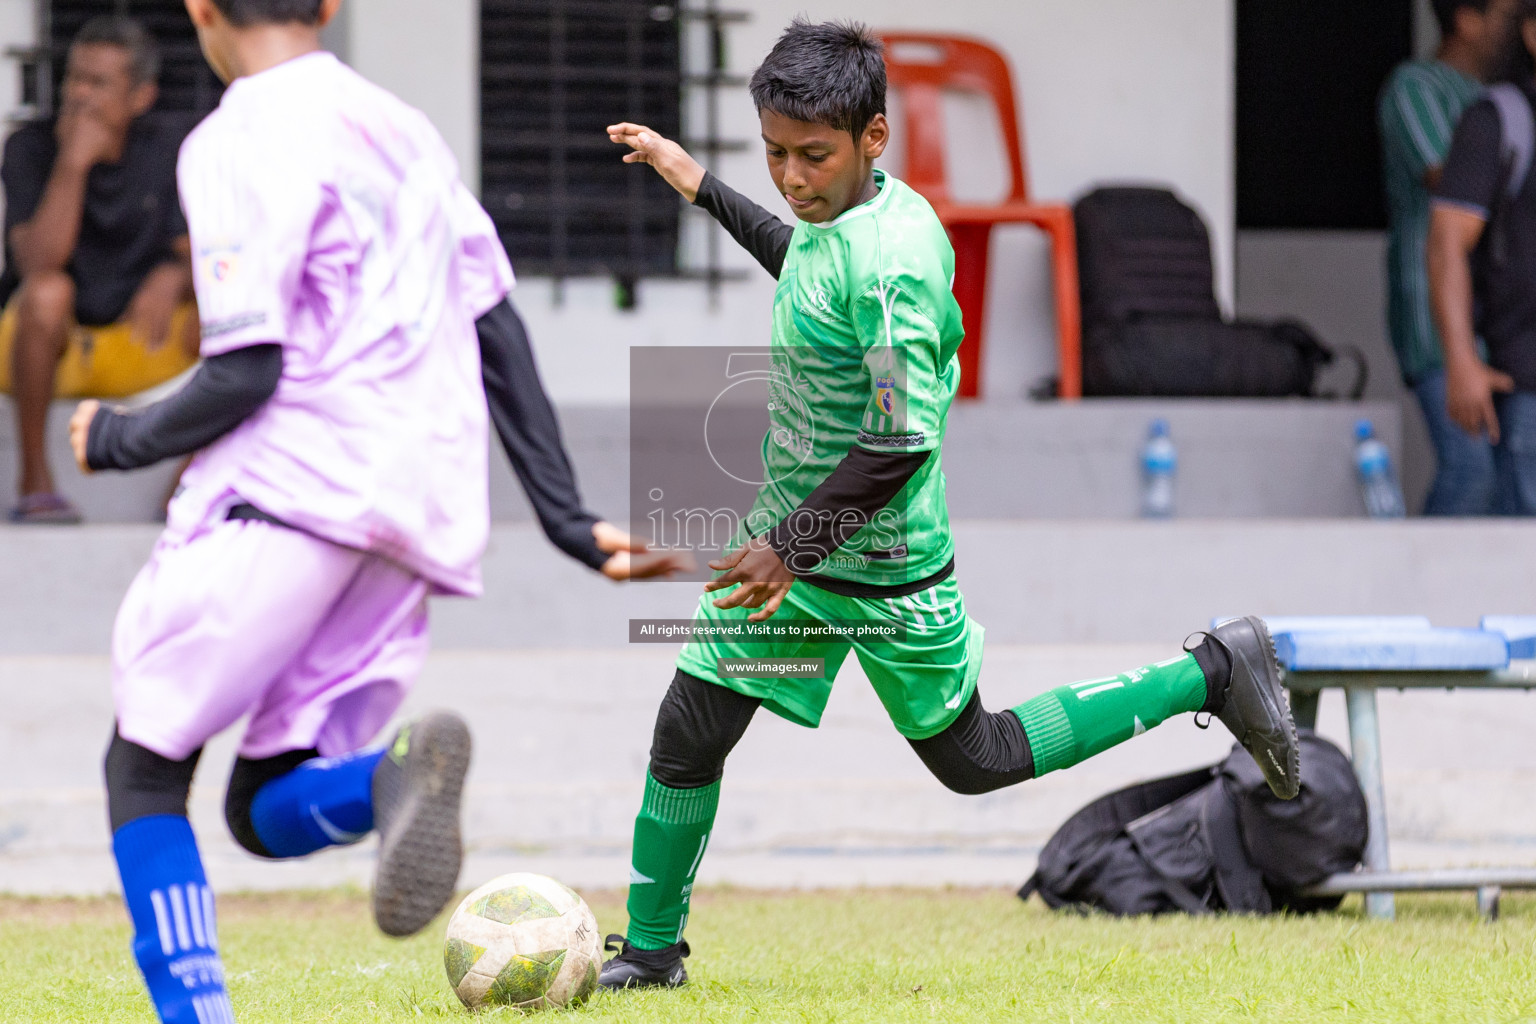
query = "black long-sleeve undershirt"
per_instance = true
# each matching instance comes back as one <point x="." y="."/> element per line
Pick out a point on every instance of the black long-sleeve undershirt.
<point x="756" y="230"/>
<point x="530" y="432"/>
<point x="864" y="482"/>
<point x="841" y="505"/>
<point x="223" y="392"/>
<point x="228" y="388"/>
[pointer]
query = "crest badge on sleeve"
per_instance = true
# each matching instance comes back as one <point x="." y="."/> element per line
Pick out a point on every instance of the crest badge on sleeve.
<point x="885" y="393"/>
<point x="220" y="263"/>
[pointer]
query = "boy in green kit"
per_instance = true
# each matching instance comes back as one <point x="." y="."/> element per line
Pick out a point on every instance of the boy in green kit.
<point x="852" y="525"/>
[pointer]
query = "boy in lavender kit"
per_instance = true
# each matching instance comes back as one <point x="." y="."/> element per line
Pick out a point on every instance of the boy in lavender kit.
<point x="352" y="294"/>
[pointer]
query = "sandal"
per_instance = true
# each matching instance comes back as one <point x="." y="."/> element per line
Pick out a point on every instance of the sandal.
<point x="44" y="510"/>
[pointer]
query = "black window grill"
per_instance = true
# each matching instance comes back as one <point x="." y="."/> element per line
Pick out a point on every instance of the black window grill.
<point x="554" y="74"/>
<point x="187" y="83"/>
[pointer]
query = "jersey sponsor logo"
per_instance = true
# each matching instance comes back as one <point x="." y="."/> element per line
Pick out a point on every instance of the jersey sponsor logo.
<point x="816" y="304"/>
<point x="913" y="440"/>
<point x="891" y="554"/>
<point x="231" y="324"/>
<point x="885" y="394"/>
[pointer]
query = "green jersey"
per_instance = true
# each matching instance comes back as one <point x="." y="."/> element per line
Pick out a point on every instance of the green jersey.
<point x="865" y="330"/>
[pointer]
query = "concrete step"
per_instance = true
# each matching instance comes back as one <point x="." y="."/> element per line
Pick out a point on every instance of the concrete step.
<point x="1028" y="581"/>
<point x="561" y="749"/>
<point x="1007" y="460"/>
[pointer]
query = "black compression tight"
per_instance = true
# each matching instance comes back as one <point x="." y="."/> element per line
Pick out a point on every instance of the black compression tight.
<point x="141" y="783"/>
<point x="981" y="751"/>
<point x="700" y="723"/>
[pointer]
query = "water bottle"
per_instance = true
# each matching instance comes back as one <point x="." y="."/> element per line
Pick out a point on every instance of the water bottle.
<point x="1378" y="481"/>
<point x="1159" y="464"/>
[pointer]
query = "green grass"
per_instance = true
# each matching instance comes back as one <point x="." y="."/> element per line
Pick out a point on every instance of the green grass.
<point x="876" y="956"/>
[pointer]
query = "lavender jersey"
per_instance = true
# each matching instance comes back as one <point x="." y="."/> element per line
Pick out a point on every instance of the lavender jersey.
<point x="328" y="217"/>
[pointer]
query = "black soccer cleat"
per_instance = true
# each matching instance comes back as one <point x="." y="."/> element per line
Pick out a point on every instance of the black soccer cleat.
<point x="1254" y="705"/>
<point x="416" y="791"/>
<point x="643" y="968"/>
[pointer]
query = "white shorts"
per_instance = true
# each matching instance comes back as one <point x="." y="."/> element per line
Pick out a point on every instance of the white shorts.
<point x="318" y="643"/>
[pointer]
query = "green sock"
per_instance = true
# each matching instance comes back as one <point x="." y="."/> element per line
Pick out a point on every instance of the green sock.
<point x="1072" y="723"/>
<point x="671" y="832"/>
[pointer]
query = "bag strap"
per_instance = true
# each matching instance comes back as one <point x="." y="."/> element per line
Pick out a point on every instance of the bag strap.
<point x="1179" y="893"/>
<point x="1239" y="883"/>
<point x="1362" y="372"/>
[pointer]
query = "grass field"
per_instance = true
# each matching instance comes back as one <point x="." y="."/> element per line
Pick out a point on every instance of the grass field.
<point x="875" y="956"/>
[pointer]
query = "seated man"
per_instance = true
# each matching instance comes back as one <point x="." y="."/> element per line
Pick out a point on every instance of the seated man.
<point x="98" y="279"/>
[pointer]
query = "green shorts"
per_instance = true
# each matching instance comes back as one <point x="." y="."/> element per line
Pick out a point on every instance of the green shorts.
<point x="924" y="677"/>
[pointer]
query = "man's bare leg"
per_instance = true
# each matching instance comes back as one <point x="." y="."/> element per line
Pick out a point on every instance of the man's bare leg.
<point x="45" y="315"/>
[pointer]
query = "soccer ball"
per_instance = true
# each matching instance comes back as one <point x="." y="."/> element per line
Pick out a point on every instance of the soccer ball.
<point x="523" y="940"/>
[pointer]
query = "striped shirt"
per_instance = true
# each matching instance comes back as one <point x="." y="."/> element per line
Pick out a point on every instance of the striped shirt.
<point x="1417" y="113"/>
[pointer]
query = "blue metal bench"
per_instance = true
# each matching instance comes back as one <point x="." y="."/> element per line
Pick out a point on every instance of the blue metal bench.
<point x="1363" y="654"/>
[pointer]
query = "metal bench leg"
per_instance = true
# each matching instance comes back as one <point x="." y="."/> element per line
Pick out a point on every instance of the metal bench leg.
<point x="1304" y="709"/>
<point x="1365" y="752"/>
<point x="1488" y="902"/>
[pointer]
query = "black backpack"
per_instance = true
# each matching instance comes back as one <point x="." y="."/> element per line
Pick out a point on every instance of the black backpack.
<point x="1210" y="840"/>
<point x="1151" y="324"/>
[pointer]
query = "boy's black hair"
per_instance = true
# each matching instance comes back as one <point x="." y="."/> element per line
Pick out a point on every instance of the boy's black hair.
<point x="243" y="13"/>
<point x="1445" y="13"/>
<point x="830" y="73"/>
<point x="118" y="30"/>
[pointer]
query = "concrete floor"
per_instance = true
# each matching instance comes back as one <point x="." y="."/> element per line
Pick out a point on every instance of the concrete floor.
<point x="562" y="739"/>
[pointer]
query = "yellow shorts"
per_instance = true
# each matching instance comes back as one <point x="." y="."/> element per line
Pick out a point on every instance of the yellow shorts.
<point x="110" y="361"/>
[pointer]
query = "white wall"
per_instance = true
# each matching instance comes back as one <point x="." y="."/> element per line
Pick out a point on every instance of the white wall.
<point x="1110" y="90"/>
<point x="17" y="20"/>
<point x="429" y="54"/>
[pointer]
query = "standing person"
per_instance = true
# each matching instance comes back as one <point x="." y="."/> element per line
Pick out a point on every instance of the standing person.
<point x="852" y="526"/>
<point x="97" y="283"/>
<point x="1482" y="273"/>
<point x="1418" y="111"/>
<point x="354" y="320"/>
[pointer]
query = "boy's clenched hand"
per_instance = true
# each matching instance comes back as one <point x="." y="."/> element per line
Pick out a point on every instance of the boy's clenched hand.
<point x="671" y="161"/>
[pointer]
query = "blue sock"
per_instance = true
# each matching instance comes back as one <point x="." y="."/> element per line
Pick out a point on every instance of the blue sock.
<point x="324" y="802"/>
<point x="173" y="922"/>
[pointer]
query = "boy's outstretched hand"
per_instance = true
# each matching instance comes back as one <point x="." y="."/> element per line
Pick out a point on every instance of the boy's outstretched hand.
<point x="763" y="576"/>
<point x="633" y="560"/>
<point x="671" y="161"/>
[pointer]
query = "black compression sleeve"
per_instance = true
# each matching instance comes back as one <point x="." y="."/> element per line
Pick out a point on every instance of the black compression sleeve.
<point x="754" y="228"/>
<point x="979" y="752"/>
<point x="862" y="484"/>
<point x="221" y="394"/>
<point x="699" y="724"/>
<point x="530" y="433"/>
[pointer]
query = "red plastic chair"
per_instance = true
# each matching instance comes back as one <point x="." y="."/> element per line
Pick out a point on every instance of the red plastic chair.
<point x="923" y="67"/>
